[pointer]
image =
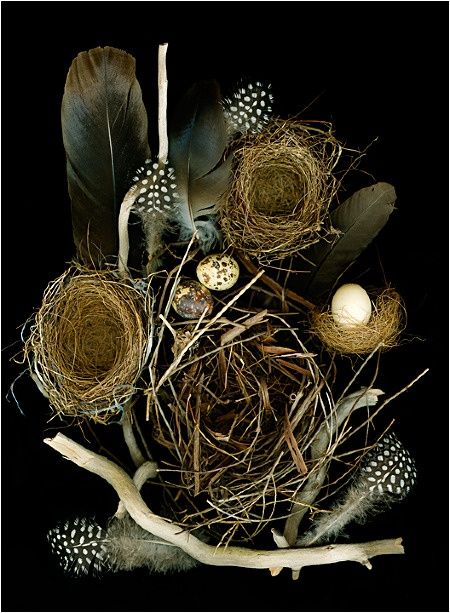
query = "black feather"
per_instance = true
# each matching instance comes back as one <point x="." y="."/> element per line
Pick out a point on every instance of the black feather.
<point x="197" y="141"/>
<point x="104" y="126"/>
<point x="358" y="220"/>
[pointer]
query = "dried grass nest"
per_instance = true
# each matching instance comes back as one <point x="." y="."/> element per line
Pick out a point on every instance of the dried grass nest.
<point x="382" y="330"/>
<point x="88" y="343"/>
<point x="282" y="187"/>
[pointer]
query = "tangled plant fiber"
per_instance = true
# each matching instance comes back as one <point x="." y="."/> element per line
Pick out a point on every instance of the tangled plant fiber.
<point x="282" y="188"/>
<point x="89" y="342"/>
<point x="382" y="330"/>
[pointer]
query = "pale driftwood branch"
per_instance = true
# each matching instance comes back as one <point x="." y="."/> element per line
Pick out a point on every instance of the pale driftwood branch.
<point x="124" y="242"/>
<point x="162" y="105"/>
<point x="130" y="440"/>
<point x="208" y="554"/>
<point x="148" y="470"/>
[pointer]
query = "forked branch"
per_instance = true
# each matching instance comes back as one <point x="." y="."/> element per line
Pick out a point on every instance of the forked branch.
<point x="293" y="558"/>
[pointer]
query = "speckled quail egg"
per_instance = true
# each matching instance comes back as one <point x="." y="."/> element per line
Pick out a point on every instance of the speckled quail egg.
<point x="191" y="299"/>
<point x="351" y="306"/>
<point x="218" y="271"/>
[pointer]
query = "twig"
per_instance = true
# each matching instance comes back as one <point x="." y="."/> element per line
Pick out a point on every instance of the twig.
<point x="230" y="335"/>
<point x="276" y="287"/>
<point x="130" y="439"/>
<point x="162" y="105"/>
<point x="124" y="242"/>
<point x="196" y="336"/>
<point x="148" y="470"/>
<point x="208" y="554"/>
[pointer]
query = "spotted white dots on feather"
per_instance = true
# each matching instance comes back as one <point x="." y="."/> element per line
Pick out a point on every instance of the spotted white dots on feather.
<point x="249" y="108"/>
<point x="80" y="554"/>
<point x="386" y="461"/>
<point x="159" y="187"/>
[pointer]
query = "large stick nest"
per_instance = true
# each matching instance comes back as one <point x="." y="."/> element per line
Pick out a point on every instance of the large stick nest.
<point x="88" y="344"/>
<point x="235" y="402"/>
<point x="282" y="187"/>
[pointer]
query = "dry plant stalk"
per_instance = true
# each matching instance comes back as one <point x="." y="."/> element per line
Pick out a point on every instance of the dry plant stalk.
<point x="382" y="330"/>
<point x="88" y="344"/>
<point x="282" y="188"/>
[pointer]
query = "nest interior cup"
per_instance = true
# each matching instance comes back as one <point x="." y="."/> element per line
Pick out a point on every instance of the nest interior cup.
<point x="88" y="343"/>
<point x="282" y="188"/>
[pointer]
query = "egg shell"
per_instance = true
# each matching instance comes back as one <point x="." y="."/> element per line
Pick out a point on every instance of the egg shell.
<point x="191" y="299"/>
<point x="351" y="306"/>
<point x="218" y="271"/>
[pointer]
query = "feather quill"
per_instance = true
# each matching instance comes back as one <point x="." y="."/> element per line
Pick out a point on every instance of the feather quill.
<point x="387" y="475"/>
<point x="358" y="221"/>
<point x="197" y="142"/>
<point x="104" y="126"/>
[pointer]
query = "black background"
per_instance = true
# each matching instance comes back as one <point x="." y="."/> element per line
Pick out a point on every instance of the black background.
<point x="378" y="70"/>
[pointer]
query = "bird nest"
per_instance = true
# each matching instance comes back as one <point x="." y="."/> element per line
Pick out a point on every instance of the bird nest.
<point x="381" y="331"/>
<point x="88" y="343"/>
<point x="236" y="402"/>
<point x="282" y="187"/>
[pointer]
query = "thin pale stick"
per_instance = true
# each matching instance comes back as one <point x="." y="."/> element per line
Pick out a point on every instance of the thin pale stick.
<point x="162" y="105"/>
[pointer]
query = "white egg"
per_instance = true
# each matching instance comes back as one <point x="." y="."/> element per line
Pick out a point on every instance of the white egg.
<point x="351" y="306"/>
<point x="218" y="271"/>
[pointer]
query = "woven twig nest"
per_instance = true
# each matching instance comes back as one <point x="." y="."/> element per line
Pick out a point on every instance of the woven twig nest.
<point x="282" y="188"/>
<point x="382" y="330"/>
<point x="88" y="343"/>
<point x="235" y="417"/>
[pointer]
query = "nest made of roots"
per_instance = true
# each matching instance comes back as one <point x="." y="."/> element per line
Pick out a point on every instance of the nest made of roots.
<point x="282" y="188"/>
<point x="382" y="330"/>
<point x="88" y="343"/>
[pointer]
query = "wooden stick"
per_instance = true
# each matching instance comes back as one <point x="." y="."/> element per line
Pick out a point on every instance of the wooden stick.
<point x="208" y="554"/>
<point x="147" y="470"/>
<point x="124" y="242"/>
<point x="162" y="105"/>
<point x="276" y="287"/>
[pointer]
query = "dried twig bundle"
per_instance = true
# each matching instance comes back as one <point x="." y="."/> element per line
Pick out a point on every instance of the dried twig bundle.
<point x="382" y="330"/>
<point x="282" y="188"/>
<point x="89" y="343"/>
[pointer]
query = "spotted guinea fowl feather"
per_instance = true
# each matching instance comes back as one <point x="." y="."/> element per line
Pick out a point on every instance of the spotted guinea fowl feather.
<point x="83" y="547"/>
<point x="387" y="476"/>
<point x="249" y="108"/>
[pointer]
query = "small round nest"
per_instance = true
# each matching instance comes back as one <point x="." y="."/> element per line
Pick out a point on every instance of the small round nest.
<point x="382" y="330"/>
<point x="282" y="188"/>
<point x="237" y="419"/>
<point x="88" y="343"/>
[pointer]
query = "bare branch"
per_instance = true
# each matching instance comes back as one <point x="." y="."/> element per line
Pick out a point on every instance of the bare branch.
<point x="208" y="554"/>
